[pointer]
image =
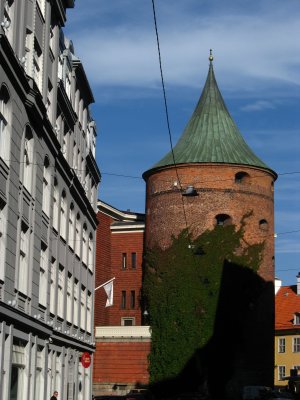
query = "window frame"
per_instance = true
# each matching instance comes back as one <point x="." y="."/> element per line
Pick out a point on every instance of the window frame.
<point x="281" y="345"/>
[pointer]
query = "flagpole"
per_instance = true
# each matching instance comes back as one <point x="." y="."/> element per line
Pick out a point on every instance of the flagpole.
<point x="103" y="284"/>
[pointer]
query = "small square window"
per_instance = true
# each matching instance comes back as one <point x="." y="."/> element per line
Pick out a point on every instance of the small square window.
<point x="127" y="321"/>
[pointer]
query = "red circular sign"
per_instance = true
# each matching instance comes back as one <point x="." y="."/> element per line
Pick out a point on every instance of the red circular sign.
<point x="86" y="359"/>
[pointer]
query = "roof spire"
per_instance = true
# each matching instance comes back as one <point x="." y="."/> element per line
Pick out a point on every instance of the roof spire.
<point x="210" y="56"/>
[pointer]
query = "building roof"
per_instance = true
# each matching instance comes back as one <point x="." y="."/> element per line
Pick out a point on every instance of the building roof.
<point x="211" y="136"/>
<point x="287" y="304"/>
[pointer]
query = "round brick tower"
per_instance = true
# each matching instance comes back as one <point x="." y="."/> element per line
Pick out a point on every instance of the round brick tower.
<point x="213" y="178"/>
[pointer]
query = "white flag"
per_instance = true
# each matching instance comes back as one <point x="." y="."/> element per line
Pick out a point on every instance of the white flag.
<point x="109" y="290"/>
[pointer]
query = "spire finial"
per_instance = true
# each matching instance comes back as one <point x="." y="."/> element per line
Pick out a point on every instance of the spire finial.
<point x="210" y="56"/>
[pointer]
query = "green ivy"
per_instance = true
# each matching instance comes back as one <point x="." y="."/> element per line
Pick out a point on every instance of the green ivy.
<point x="181" y="287"/>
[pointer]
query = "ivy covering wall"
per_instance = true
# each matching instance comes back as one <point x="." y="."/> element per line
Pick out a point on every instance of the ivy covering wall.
<point x="182" y="286"/>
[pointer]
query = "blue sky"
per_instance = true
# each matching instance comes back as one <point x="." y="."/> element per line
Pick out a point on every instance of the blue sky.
<point x="257" y="65"/>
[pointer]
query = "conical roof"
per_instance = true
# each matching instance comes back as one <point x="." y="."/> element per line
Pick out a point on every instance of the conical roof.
<point x="211" y="136"/>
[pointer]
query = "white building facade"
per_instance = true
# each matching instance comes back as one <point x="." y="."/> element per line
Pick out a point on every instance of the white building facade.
<point x="48" y="193"/>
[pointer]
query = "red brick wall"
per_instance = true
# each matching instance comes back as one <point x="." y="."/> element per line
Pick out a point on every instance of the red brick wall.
<point x="218" y="193"/>
<point x="126" y="279"/>
<point x="109" y="249"/>
<point x="103" y="267"/>
<point x="121" y="362"/>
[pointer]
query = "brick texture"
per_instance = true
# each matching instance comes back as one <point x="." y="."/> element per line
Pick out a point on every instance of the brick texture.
<point x="218" y="193"/>
<point x="121" y="362"/>
<point x="110" y="247"/>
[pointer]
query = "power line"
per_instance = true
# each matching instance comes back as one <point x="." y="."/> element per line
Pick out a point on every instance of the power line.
<point x="166" y="109"/>
<point x="139" y="177"/>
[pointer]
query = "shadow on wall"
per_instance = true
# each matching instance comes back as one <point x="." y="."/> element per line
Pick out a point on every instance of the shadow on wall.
<point x="240" y="352"/>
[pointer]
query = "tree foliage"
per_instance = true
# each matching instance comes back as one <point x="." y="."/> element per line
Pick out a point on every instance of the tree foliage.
<point x="181" y="288"/>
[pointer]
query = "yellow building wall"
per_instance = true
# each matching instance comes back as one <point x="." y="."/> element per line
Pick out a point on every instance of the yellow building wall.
<point x="289" y="359"/>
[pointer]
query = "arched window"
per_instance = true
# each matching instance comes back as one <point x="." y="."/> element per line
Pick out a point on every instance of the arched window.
<point x="3" y="226"/>
<point x="63" y="215"/>
<point x="242" y="177"/>
<point x="71" y="226"/>
<point x="263" y="225"/>
<point x="46" y="187"/>
<point x="91" y="253"/>
<point x="4" y="124"/>
<point x="223" y="219"/>
<point x="84" y="245"/>
<point x="24" y="261"/>
<point x="77" y="235"/>
<point x="55" y="205"/>
<point x="28" y="159"/>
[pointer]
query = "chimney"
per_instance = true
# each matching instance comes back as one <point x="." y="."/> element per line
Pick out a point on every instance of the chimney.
<point x="277" y="284"/>
<point x="298" y="284"/>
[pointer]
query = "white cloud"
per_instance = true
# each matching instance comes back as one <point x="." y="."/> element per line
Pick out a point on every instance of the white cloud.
<point x="259" y="105"/>
<point x="253" y="50"/>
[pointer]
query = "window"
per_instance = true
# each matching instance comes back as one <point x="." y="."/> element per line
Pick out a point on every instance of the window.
<point x="77" y="235"/>
<point x="124" y="260"/>
<point x="52" y="285"/>
<point x="28" y="159"/>
<point x="89" y="312"/>
<point x="127" y="321"/>
<point x="3" y="223"/>
<point x="281" y="345"/>
<point x="281" y="372"/>
<point x="4" y="124"/>
<point x="18" y="370"/>
<point x="91" y="253"/>
<point x="84" y="245"/>
<point x="37" y="65"/>
<point x="296" y="344"/>
<point x="76" y="302"/>
<point x="49" y="100"/>
<point x="46" y="187"/>
<point x="55" y="205"/>
<point x="297" y="319"/>
<point x="60" y="291"/>
<point x="242" y="177"/>
<point x="63" y="215"/>
<point x="71" y="226"/>
<point x="223" y="219"/>
<point x="82" y="307"/>
<point x="43" y="284"/>
<point x="133" y="260"/>
<point x="69" y="298"/>
<point x="263" y="225"/>
<point x="24" y="259"/>
<point x="132" y="299"/>
<point x="123" y="299"/>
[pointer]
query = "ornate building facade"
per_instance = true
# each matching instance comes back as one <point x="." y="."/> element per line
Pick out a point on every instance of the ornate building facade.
<point x="48" y="193"/>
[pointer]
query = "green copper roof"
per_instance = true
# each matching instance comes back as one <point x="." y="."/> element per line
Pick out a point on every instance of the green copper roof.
<point x="211" y="135"/>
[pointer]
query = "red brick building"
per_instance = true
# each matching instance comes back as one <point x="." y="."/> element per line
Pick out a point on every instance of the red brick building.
<point x="122" y="344"/>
